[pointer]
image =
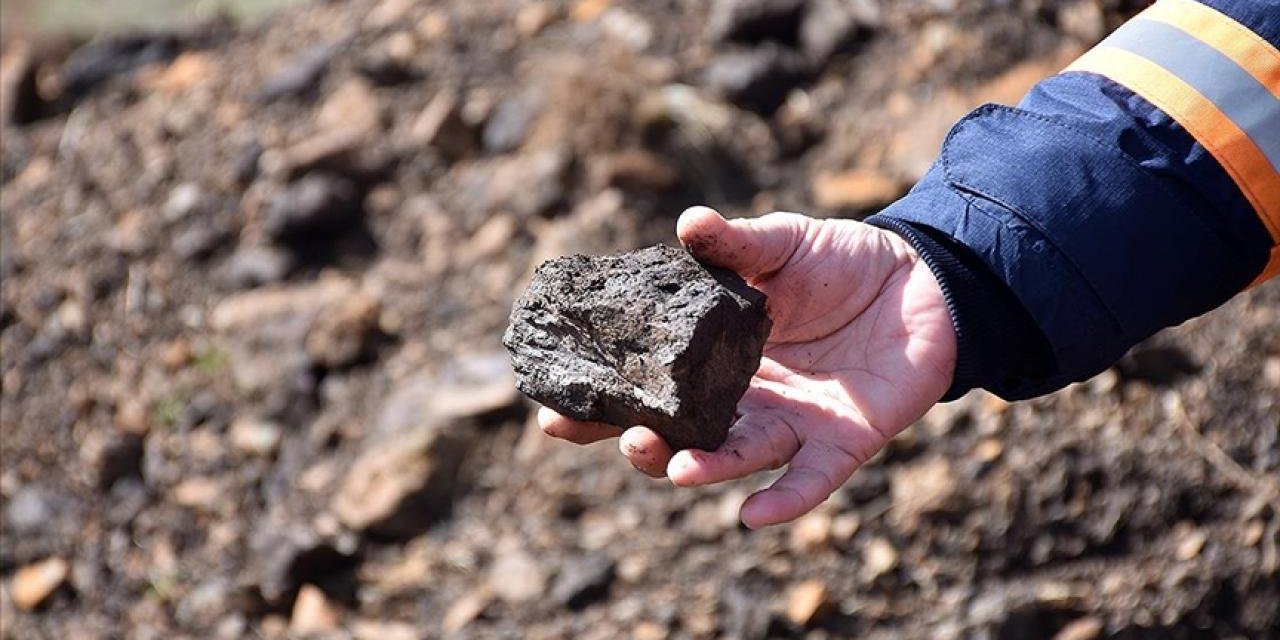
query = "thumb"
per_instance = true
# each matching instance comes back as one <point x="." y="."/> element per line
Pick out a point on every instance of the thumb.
<point x="752" y="247"/>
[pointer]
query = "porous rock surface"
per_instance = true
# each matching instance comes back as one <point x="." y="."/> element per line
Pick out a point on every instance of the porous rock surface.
<point x="650" y="337"/>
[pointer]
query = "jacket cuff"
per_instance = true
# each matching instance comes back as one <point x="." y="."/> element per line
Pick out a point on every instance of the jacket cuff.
<point x="997" y="341"/>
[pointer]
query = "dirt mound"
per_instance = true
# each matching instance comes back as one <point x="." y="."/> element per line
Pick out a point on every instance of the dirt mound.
<point x="254" y="279"/>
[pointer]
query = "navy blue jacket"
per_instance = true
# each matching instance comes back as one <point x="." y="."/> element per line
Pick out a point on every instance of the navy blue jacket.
<point x="1066" y="230"/>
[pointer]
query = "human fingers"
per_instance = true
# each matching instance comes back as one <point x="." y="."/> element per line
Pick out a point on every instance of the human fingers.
<point x="646" y="450"/>
<point x="757" y="441"/>
<point x="752" y="247"/>
<point x="575" y="431"/>
<point x="816" y="471"/>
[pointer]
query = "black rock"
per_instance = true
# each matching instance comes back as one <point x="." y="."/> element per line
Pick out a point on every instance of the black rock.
<point x="315" y="205"/>
<point x="386" y="71"/>
<point x="106" y="58"/>
<point x="20" y="101"/>
<point x="120" y="459"/>
<point x="758" y="79"/>
<point x="583" y="581"/>
<point x="755" y="20"/>
<point x="300" y="76"/>
<point x="649" y="337"/>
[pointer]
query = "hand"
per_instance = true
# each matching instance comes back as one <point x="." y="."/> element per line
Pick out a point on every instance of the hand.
<point x="862" y="345"/>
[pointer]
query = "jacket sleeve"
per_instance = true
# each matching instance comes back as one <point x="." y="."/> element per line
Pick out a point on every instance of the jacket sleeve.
<point x="1135" y="190"/>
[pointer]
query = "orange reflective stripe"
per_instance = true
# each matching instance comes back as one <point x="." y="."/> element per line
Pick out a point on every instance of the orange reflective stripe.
<point x="1234" y="40"/>
<point x="1202" y="119"/>
<point x="1239" y="156"/>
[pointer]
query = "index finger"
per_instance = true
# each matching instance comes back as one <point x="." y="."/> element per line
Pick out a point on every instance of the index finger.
<point x="575" y="431"/>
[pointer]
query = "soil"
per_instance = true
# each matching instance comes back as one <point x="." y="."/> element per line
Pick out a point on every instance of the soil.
<point x="254" y="278"/>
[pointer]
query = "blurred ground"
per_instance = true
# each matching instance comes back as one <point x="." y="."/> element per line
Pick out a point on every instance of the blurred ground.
<point x="253" y="278"/>
<point x="86" y="17"/>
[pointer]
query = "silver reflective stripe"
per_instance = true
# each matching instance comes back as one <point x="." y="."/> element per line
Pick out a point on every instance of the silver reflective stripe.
<point x="1218" y="78"/>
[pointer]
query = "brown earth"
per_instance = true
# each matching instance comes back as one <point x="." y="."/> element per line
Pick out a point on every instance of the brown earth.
<point x="253" y="280"/>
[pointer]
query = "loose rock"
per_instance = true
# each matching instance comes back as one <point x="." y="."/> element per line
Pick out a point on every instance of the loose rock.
<point x="105" y="58"/>
<point x="400" y="486"/>
<point x="342" y="335"/>
<point x="516" y="577"/>
<point x="315" y="205"/>
<point x="34" y="583"/>
<point x="757" y="79"/>
<point x="509" y="123"/>
<point x="648" y="337"/>
<point x="285" y="558"/>
<point x="807" y="601"/>
<point x="312" y="613"/>
<point x="298" y="76"/>
<point x="920" y="489"/>
<point x="584" y="580"/>
<point x="755" y="20"/>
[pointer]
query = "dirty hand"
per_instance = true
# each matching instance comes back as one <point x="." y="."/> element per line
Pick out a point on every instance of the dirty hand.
<point x="862" y="345"/>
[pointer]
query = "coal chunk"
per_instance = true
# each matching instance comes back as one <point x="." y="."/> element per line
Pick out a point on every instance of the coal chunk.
<point x="649" y="337"/>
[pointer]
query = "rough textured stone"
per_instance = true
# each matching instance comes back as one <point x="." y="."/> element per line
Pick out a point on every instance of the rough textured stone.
<point x="648" y="337"/>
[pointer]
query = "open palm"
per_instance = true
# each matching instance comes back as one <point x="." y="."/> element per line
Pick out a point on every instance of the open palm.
<point x="862" y="345"/>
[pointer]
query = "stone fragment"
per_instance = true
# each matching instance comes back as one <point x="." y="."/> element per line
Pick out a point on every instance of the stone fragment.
<point x="1190" y="542"/>
<point x="533" y="17"/>
<point x="400" y="485"/>
<point x="516" y="577"/>
<point x="584" y="580"/>
<point x="342" y="336"/>
<point x="442" y="127"/>
<point x="405" y="476"/>
<point x="337" y="150"/>
<point x="312" y="613"/>
<point x="265" y="330"/>
<point x="755" y="20"/>
<point x="251" y="266"/>
<point x="116" y="55"/>
<point x="920" y="489"/>
<point x="255" y="436"/>
<point x="633" y="170"/>
<point x="1086" y="628"/>
<point x="34" y="583"/>
<point x="509" y="123"/>
<point x="647" y="337"/>
<point x="525" y="185"/>
<point x="745" y="612"/>
<point x="465" y="609"/>
<point x="316" y="205"/>
<point x="878" y="558"/>
<point x="807" y="601"/>
<point x="298" y="76"/>
<point x="286" y="557"/>
<point x="758" y="79"/>
<point x="835" y="26"/>
<point x="385" y="630"/>
<point x="113" y="457"/>
<point x="29" y="510"/>
<point x="810" y="533"/>
<point x="353" y="106"/>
